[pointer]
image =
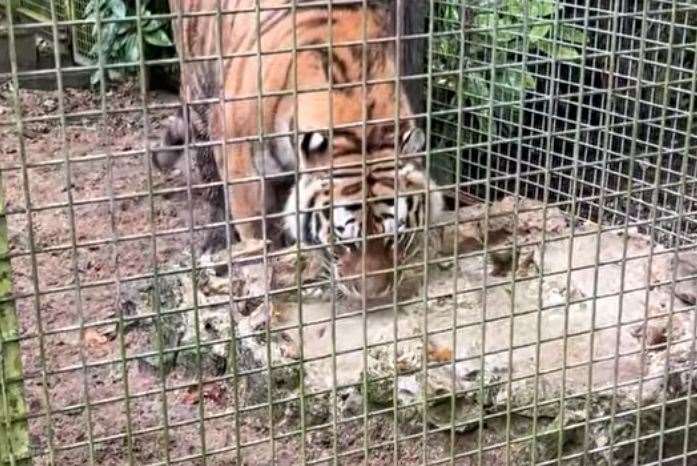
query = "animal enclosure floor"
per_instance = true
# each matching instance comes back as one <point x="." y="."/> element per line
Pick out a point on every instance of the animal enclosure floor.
<point x="69" y="368"/>
<point x="77" y="374"/>
<point x="534" y="341"/>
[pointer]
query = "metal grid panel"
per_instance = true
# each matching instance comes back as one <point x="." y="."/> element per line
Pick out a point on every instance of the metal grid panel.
<point x="619" y="89"/>
<point x="604" y="130"/>
<point x="43" y="8"/>
<point x="81" y="38"/>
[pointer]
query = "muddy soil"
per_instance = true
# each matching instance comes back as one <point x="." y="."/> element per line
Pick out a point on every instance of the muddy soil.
<point x="100" y="220"/>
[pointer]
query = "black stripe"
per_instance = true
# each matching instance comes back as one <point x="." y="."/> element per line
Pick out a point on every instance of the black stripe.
<point x="323" y="57"/>
<point x="339" y="65"/>
<point x="302" y="26"/>
<point x="380" y="146"/>
<point x="419" y="211"/>
<point x="357" y="53"/>
<point x="371" y="109"/>
<point x="273" y="19"/>
<point x="376" y="173"/>
<point x="307" y="231"/>
<point x="341" y="174"/>
<point x="343" y="152"/>
<point x="279" y="99"/>
<point x="325" y="214"/>
<point x="273" y="152"/>
<point x="410" y="203"/>
<point x="314" y="22"/>
<point x="385" y="176"/>
<point x="351" y="137"/>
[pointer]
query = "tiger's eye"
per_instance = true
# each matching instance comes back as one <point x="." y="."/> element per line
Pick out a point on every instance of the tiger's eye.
<point x="314" y="143"/>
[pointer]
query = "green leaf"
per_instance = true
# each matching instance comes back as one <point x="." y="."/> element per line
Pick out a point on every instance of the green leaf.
<point x="561" y="52"/>
<point x="504" y="37"/>
<point x="537" y="33"/>
<point x="542" y="8"/>
<point x="476" y="88"/>
<point x="501" y="57"/>
<point x="120" y="44"/>
<point x="158" y="38"/>
<point x="506" y="30"/>
<point x="484" y="20"/>
<point x="529" y="81"/>
<point x="483" y="119"/>
<point x="96" y="77"/>
<point x="118" y="9"/>
<point x="109" y="35"/>
<point x="567" y="53"/>
<point x="90" y="8"/>
<point x="94" y="52"/>
<point x="512" y="77"/>
<point x="114" y="75"/>
<point x="507" y="87"/>
<point x="451" y="12"/>
<point x="572" y="34"/>
<point x="151" y="25"/>
<point x="130" y="49"/>
<point x="514" y="7"/>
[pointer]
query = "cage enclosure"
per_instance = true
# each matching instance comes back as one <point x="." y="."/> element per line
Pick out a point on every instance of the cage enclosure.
<point x="544" y="312"/>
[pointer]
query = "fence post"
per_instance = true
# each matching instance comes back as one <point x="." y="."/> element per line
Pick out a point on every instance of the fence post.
<point x="14" y="432"/>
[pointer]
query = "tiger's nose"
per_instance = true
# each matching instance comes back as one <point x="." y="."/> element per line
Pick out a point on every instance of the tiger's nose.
<point x="348" y="231"/>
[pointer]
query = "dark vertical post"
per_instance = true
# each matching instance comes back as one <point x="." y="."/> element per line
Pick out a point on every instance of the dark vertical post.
<point x="414" y="15"/>
<point x="14" y="433"/>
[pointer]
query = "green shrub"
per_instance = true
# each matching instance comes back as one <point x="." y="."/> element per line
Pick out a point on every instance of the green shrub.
<point x="117" y="40"/>
<point x="494" y="39"/>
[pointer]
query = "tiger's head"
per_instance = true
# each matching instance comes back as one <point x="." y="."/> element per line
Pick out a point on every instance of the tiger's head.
<point x="367" y="214"/>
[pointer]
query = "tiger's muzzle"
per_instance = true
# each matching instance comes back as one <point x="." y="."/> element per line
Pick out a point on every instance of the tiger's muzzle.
<point x="372" y="269"/>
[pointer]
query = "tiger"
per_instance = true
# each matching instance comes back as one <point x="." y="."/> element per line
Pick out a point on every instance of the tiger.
<point x="332" y="148"/>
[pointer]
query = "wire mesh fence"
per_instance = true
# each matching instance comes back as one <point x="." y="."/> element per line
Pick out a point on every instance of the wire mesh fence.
<point x="409" y="232"/>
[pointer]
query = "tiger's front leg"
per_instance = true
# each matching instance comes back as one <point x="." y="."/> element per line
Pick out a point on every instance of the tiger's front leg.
<point x="245" y="197"/>
<point x="245" y="202"/>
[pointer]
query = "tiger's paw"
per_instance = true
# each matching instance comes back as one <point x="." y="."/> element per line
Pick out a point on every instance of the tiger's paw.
<point x="174" y="134"/>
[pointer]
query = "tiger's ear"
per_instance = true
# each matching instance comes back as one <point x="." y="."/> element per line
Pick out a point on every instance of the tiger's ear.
<point x="413" y="141"/>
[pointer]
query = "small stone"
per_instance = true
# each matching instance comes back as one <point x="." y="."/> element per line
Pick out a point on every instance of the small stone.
<point x="502" y="262"/>
<point x="656" y="335"/>
<point x="439" y="353"/>
<point x="463" y="231"/>
<point x="49" y="105"/>
<point x="285" y="267"/>
<point x="686" y="288"/>
<point x="353" y="405"/>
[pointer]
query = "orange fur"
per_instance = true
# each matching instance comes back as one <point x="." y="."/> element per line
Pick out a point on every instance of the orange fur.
<point x="273" y="73"/>
<point x="250" y="115"/>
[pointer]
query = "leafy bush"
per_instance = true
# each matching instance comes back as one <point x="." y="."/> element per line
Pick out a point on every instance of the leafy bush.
<point x="119" y="42"/>
<point x="495" y="39"/>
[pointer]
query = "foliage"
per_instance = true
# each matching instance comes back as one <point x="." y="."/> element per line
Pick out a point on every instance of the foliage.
<point x="117" y="40"/>
<point x="496" y="38"/>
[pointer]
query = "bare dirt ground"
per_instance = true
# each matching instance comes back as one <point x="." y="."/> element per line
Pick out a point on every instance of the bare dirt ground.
<point x="66" y="268"/>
